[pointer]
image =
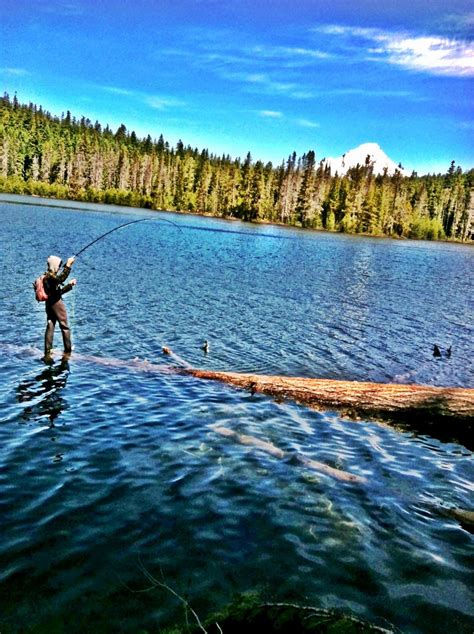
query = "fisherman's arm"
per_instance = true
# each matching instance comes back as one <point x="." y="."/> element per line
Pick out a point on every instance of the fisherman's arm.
<point x="68" y="287"/>
<point x="61" y="277"/>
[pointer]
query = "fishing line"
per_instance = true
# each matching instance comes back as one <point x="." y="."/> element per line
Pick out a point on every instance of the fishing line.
<point x="125" y="224"/>
<point x="87" y="246"/>
<point x="245" y="234"/>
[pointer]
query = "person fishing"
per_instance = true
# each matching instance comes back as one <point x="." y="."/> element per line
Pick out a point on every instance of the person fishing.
<point x="53" y="279"/>
<point x="48" y="288"/>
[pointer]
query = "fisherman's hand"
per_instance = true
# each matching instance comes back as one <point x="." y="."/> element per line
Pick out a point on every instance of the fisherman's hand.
<point x="73" y="282"/>
<point x="70" y="261"/>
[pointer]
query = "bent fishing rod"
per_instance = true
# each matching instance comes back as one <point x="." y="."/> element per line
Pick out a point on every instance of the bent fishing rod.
<point x="125" y="224"/>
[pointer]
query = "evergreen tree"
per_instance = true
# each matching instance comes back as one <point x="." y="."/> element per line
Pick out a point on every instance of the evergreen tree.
<point x="74" y="158"/>
<point x="305" y="205"/>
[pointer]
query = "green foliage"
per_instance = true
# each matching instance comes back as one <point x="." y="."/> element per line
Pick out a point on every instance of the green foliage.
<point x="424" y="228"/>
<point x="66" y="158"/>
<point x="330" y="221"/>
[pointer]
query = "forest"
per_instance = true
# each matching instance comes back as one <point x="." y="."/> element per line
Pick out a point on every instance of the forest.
<point x="69" y="158"/>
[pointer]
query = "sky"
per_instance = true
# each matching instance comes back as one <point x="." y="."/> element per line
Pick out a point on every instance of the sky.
<point x="265" y="77"/>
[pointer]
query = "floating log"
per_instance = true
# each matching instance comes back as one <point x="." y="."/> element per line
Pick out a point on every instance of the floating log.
<point x="447" y="411"/>
<point x="354" y="397"/>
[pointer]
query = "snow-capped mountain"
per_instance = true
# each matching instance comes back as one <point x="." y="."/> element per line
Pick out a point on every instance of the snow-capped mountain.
<point x="359" y="155"/>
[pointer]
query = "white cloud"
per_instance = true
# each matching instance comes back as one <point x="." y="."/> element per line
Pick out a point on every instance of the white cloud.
<point x="371" y="92"/>
<point x="161" y="103"/>
<point x="294" y="53"/>
<point x="158" y="102"/>
<point x="17" y="72"/>
<point x="242" y="77"/>
<point x="285" y="89"/>
<point x="431" y="54"/>
<point x="272" y="114"/>
<point x="306" y="52"/>
<point x="119" y="91"/>
<point x="337" y="29"/>
<point x="440" y="56"/>
<point x="255" y="78"/>
<point x="305" y="123"/>
<point x="263" y="83"/>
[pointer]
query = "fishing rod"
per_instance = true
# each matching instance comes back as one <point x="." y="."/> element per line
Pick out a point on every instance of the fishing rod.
<point x="125" y="224"/>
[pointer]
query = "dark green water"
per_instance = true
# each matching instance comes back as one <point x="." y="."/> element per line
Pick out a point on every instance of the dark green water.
<point x="108" y="469"/>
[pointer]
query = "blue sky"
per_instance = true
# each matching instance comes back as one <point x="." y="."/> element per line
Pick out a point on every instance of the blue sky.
<point x="269" y="77"/>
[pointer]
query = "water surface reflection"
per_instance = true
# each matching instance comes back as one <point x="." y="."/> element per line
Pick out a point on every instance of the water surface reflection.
<point x="43" y="392"/>
<point x="128" y="465"/>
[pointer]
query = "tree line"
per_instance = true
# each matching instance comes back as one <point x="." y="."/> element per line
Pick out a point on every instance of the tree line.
<point x="69" y="158"/>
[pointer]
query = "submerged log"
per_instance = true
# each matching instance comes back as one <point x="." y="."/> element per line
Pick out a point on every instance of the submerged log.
<point x="463" y="516"/>
<point x="298" y="458"/>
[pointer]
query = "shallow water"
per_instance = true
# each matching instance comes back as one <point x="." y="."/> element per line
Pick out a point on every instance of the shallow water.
<point x="108" y="470"/>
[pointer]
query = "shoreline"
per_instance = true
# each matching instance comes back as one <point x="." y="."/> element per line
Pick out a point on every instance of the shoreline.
<point x="80" y="205"/>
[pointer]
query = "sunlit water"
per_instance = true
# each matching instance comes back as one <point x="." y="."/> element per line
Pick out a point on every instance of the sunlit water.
<point x="108" y="472"/>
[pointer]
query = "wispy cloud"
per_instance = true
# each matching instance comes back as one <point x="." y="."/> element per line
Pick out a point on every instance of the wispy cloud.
<point x="221" y="55"/>
<point x="370" y="92"/>
<point x="265" y="84"/>
<point x="289" y="56"/>
<point x="305" y="123"/>
<point x="158" y="102"/>
<point x="436" y="55"/>
<point x="162" y="103"/>
<point x="119" y="91"/>
<point x="262" y="68"/>
<point x="16" y="72"/>
<point x="271" y="114"/>
<point x="250" y="78"/>
<point x="429" y="54"/>
<point x="284" y="89"/>
<point x="458" y="25"/>
<point x="279" y="70"/>
<point x="275" y="114"/>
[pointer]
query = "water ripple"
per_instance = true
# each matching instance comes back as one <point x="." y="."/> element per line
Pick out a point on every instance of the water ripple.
<point x="103" y="467"/>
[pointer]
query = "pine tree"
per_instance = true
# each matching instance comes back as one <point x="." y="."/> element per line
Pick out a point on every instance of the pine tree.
<point x="305" y="205"/>
<point x="68" y="157"/>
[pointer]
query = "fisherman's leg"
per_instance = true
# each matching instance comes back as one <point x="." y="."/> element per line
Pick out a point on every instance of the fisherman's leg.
<point x="61" y="313"/>
<point x="49" y="333"/>
<point x="48" y="337"/>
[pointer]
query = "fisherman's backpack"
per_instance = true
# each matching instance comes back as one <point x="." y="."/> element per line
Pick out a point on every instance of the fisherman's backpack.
<point x="40" y="293"/>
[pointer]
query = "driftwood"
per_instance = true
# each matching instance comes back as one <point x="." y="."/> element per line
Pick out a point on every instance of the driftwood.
<point x="353" y="397"/>
<point x="426" y="403"/>
<point x="446" y="410"/>
<point x="416" y="404"/>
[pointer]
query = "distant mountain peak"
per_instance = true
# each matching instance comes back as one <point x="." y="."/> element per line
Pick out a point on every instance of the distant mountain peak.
<point x="358" y="156"/>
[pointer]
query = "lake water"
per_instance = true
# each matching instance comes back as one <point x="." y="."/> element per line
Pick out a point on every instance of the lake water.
<point x="108" y="473"/>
